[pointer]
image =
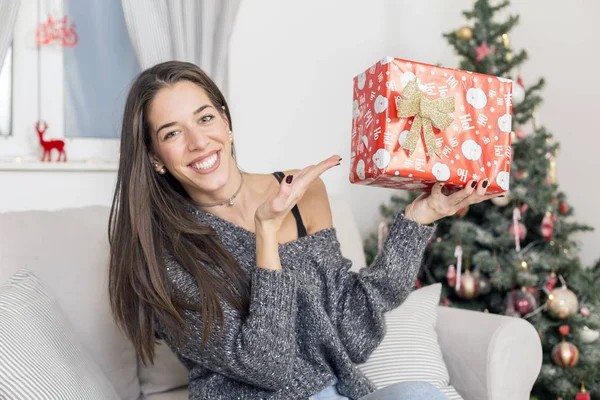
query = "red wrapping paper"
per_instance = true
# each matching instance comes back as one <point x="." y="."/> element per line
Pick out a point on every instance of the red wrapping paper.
<point x="476" y="144"/>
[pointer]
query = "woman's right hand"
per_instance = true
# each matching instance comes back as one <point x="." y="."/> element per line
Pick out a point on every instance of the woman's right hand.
<point x="269" y="215"/>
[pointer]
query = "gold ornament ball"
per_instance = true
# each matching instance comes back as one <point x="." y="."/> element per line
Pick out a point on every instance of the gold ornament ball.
<point x="562" y="303"/>
<point x="469" y="286"/>
<point x="565" y="354"/>
<point x="464" y="33"/>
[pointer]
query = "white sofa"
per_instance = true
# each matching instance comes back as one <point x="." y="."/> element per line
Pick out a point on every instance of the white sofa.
<point x="488" y="356"/>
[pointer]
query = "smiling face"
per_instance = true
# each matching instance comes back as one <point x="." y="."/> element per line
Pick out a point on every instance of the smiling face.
<point x="191" y="140"/>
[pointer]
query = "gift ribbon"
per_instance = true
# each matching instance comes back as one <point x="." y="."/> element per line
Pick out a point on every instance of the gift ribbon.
<point x="427" y="113"/>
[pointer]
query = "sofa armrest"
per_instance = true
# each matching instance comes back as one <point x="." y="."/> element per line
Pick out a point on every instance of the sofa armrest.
<point x="489" y="357"/>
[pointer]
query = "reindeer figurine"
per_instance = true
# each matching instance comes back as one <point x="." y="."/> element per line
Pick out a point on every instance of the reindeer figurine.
<point x="50" y="144"/>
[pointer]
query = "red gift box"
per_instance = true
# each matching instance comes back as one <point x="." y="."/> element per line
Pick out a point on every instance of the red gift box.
<point x="416" y="124"/>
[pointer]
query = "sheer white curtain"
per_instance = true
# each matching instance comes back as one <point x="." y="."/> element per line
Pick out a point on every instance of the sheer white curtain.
<point x="196" y="31"/>
<point x="8" y="17"/>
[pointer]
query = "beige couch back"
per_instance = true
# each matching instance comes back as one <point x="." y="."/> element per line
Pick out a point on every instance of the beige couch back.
<point x="68" y="251"/>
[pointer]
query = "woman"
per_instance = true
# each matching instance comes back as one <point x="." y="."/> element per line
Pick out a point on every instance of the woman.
<point x="255" y="300"/>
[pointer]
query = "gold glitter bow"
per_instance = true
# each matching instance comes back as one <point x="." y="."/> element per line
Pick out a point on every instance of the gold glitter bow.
<point x="427" y="112"/>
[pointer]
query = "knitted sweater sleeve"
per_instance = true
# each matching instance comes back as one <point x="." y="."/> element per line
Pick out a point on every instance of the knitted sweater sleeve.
<point x="257" y="349"/>
<point x="361" y="298"/>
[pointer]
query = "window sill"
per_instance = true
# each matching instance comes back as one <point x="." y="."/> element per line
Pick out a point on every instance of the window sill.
<point x="71" y="166"/>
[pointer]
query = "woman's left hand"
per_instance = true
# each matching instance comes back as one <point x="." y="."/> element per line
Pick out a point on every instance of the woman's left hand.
<point x="429" y="207"/>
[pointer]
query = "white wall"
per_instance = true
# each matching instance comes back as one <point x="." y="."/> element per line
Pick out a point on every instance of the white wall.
<point x="291" y="73"/>
<point x="292" y="65"/>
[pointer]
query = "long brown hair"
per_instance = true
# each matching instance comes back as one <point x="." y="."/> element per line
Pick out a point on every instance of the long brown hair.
<point x="150" y="218"/>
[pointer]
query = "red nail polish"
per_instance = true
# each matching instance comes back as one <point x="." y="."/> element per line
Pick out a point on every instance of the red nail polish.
<point x="289" y="178"/>
<point x="474" y="184"/>
<point x="484" y="184"/>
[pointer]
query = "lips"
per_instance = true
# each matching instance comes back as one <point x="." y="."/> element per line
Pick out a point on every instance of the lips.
<point x="203" y="158"/>
<point x="206" y="164"/>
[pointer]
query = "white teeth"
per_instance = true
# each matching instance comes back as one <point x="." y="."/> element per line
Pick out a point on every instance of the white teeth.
<point x="207" y="163"/>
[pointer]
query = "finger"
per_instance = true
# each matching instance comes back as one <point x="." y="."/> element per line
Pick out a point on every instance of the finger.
<point x="462" y="194"/>
<point x="482" y="187"/>
<point x="306" y="176"/>
<point x="478" y="194"/>
<point x="293" y="188"/>
<point x="489" y="196"/>
<point x="422" y="196"/>
<point x="438" y="201"/>
<point x="280" y="202"/>
<point x="323" y="166"/>
<point x="474" y="199"/>
<point x="437" y="190"/>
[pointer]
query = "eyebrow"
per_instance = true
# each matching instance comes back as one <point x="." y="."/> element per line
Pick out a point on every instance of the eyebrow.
<point x="169" y="124"/>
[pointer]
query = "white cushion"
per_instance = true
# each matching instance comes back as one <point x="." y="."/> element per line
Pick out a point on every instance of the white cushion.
<point x="39" y="355"/>
<point x="410" y="350"/>
<point x="68" y="251"/>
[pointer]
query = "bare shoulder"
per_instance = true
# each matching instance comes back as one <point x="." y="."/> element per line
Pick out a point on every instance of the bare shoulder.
<point x="314" y="206"/>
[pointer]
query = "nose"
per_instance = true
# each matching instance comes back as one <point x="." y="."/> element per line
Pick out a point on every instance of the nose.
<point x="196" y="139"/>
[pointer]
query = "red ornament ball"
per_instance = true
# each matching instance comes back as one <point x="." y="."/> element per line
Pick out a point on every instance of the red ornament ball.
<point x="564" y="330"/>
<point x="583" y="394"/>
<point x="565" y="354"/>
<point x="523" y="301"/>
<point x="564" y="208"/>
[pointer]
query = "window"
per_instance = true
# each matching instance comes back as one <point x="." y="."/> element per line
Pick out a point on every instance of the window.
<point x="98" y="70"/>
<point x="78" y="91"/>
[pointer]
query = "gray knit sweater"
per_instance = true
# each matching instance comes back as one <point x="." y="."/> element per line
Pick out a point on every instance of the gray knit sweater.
<point x="311" y="322"/>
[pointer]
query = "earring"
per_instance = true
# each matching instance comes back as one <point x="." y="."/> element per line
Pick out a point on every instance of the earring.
<point x="162" y="171"/>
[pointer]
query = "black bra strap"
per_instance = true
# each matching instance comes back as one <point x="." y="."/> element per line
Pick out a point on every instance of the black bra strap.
<point x="299" y="224"/>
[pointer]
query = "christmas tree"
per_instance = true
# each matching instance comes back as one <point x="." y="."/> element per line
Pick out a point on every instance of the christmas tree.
<point x="515" y="255"/>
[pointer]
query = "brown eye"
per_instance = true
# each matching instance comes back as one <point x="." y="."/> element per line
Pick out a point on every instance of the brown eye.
<point x="206" y="118"/>
<point x="170" y="135"/>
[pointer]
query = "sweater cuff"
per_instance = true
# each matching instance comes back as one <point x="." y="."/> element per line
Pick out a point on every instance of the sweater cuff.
<point x="408" y="234"/>
<point x="273" y="291"/>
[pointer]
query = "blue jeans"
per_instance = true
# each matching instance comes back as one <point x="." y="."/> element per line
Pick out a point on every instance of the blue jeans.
<point x="398" y="391"/>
